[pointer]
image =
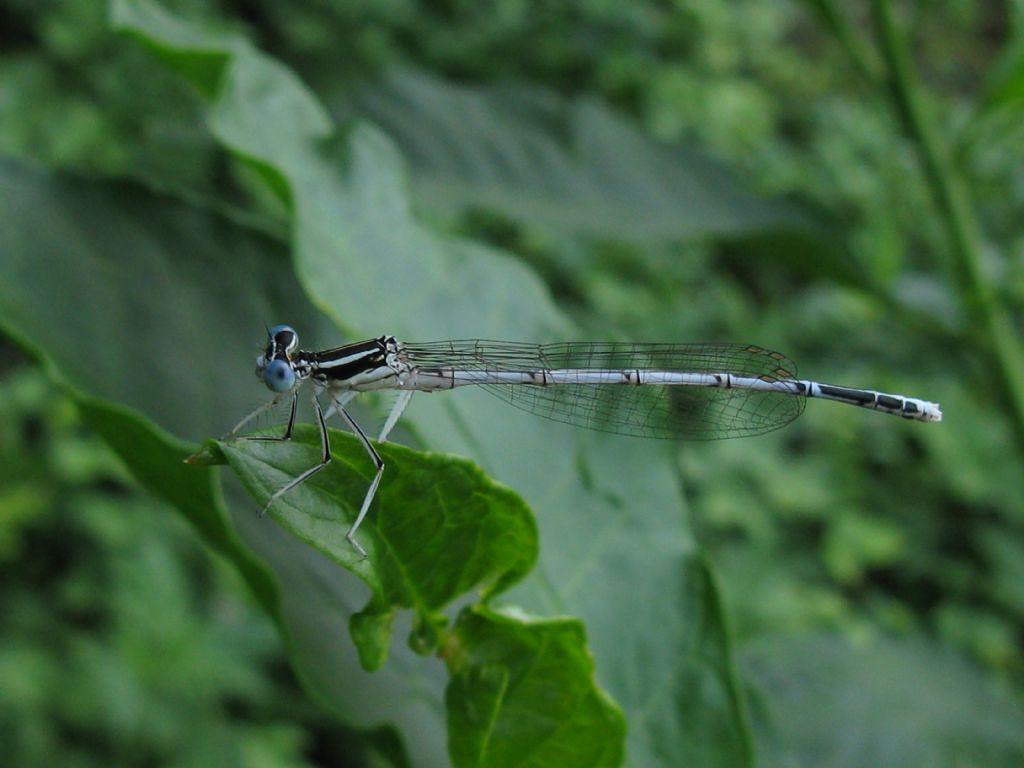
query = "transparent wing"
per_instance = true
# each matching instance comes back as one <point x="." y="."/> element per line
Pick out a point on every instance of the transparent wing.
<point x="658" y="411"/>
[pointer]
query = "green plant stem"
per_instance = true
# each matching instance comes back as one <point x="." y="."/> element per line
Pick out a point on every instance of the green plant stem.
<point x="992" y="323"/>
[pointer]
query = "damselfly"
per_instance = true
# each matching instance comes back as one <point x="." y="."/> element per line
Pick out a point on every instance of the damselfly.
<point x="673" y="391"/>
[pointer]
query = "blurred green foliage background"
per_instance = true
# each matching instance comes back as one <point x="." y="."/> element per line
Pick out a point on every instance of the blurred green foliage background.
<point x="876" y="250"/>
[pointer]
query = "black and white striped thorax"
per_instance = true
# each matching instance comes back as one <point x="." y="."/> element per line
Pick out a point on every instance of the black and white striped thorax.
<point x="364" y="365"/>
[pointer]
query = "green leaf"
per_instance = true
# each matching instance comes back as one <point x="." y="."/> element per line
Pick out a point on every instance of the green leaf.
<point x="200" y="58"/>
<point x="439" y="529"/>
<point x="882" y="702"/>
<point x="579" y="167"/>
<point x="572" y="165"/>
<point x="519" y="681"/>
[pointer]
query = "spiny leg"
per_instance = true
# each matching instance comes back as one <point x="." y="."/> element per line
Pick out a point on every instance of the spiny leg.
<point x="337" y="401"/>
<point x="396" y="411"/>
<point x="378" y="462"/>
<point x="325" y="456"/>
<point x="338" y="404"/>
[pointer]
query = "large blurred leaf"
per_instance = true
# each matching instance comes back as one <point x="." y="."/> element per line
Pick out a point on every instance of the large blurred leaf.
<point x="579" y="167"/>
<point x="575" y="165"/>
<point x="885" y="704"/>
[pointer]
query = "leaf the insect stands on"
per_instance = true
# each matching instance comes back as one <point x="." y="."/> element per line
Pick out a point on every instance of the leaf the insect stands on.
<point x="441" y="527"/>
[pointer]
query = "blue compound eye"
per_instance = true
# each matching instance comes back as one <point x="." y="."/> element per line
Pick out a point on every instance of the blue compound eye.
<point x="279" y="376"/>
